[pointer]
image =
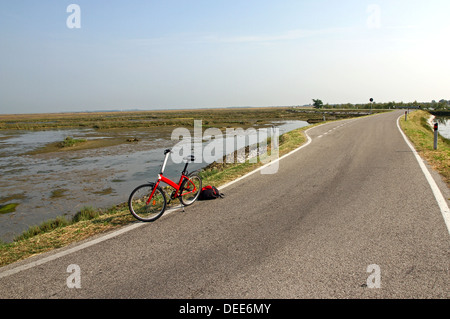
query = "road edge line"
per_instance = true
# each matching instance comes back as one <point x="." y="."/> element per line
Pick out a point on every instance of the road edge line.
<point x="443" y="206"/>
<point x="67" y="251"/>
<point x="309" y="140"/>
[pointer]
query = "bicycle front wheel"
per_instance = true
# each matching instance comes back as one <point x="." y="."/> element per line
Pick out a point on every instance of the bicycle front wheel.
<point x="143" y="207"/>
<point x="190" y="189"/>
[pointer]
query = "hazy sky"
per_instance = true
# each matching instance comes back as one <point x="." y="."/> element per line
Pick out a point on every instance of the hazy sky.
<point x="138" y="54"/>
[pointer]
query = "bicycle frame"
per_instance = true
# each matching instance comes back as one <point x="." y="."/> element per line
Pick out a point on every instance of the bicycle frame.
<point x="162" y="178"/>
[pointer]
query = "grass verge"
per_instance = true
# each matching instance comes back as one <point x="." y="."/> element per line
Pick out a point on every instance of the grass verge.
<point x="60" y="232"/>
<point x="422" y="136"/>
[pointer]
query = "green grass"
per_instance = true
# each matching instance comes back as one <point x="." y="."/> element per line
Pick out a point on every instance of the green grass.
<point x="70" y="142"/>
<point x="8" y="208"/>
<point x="57" y="193"/>
<point x="44" y="227"/>
<point x="61" y="231"/>
<point x="105" y="191"/>
<point x="422" y="136"/>
<point x="87" y="213"/>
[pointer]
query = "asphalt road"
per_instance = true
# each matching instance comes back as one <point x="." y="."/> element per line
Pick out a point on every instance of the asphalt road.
<point x="351" y="215"/>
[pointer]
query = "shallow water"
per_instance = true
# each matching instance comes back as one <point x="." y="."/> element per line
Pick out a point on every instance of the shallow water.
<point x="61" y="183"/>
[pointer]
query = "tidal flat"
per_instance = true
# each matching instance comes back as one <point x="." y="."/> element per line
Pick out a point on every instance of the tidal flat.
<point x="218" y="117"/>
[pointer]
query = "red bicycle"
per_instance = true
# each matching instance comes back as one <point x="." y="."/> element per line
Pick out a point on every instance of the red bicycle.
<point x="148" y="202"/>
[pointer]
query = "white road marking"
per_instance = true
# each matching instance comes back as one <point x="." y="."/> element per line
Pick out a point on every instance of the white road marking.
<point x="68" y="251"/>
<point x="436" y="191"/>
<point x="79" y="247"/>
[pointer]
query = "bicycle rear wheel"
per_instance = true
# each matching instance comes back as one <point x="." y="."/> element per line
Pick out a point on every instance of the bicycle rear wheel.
<point x="190" y="189"/>
<point x="143" y="208"/>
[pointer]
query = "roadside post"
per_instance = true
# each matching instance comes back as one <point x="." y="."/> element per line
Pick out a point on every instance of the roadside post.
<point x="435" y="135"/>
<point x="406" y="115"/>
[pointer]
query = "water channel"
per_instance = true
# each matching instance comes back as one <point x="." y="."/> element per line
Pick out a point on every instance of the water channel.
<point x="443" y="125"/>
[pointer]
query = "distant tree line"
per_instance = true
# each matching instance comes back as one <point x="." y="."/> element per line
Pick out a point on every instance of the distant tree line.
<point x="433" y="105"/>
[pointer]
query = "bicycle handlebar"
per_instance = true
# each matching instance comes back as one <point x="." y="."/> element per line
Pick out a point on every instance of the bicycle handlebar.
<point x="190" y="158"/>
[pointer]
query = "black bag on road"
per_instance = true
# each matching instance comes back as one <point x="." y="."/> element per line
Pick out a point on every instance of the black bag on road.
<point x="210" y="192"/>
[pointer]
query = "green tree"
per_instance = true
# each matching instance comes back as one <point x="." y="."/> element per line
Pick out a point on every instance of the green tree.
<point x="317" y="103"/>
